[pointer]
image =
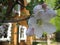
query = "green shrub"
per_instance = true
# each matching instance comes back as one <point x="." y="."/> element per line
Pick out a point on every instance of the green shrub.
<point x="57" y="36"/>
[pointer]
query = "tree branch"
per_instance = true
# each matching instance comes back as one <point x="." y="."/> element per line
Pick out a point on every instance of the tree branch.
<point x="14" y="20"/>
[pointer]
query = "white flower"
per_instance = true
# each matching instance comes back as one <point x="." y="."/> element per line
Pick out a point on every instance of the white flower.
<point x="38" y="30"/>
<point x="37" y="8"/>
<point x="45" y="16"/>
<point x="32" y="24"/>
<point x="30" y="31"/>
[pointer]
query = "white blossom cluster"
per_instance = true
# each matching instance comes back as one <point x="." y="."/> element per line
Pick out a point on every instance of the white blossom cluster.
<point x="44" y="16"/>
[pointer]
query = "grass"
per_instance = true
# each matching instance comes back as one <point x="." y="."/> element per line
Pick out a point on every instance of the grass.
<point x="43" y="43"/>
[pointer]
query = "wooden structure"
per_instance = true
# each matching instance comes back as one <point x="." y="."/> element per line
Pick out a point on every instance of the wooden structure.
<point x="14" y="40"/>
<point x="14" y="30"/>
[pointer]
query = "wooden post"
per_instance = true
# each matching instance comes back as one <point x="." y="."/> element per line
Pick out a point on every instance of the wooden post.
<point x="48" y="39"/>
<point x="14" y="29"/>
<point x="14" y="34"/>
